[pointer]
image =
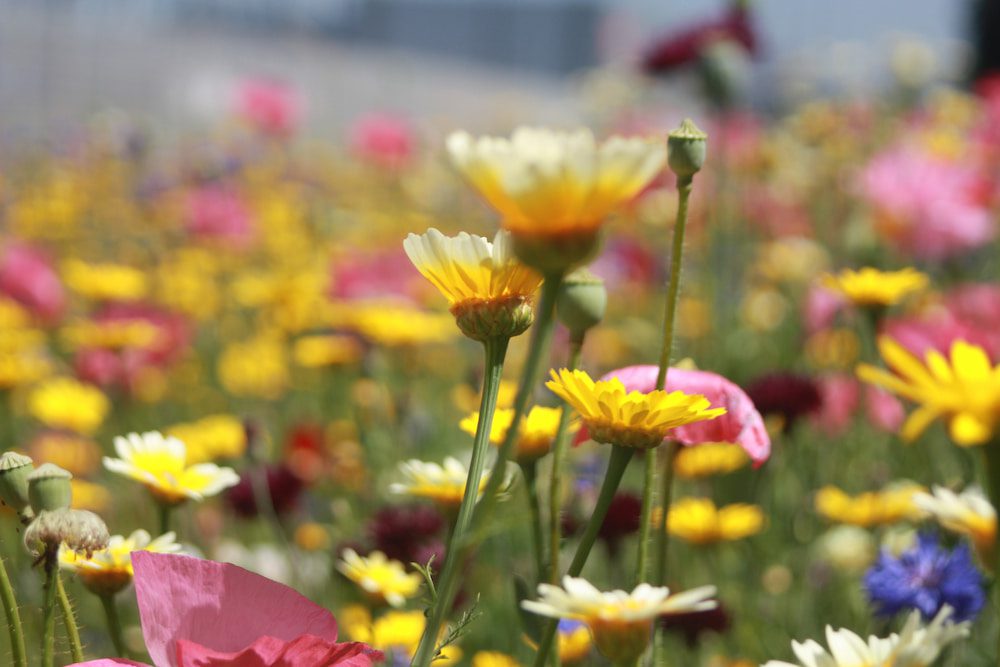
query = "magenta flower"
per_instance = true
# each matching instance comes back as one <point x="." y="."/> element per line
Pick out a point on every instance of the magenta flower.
<point x="930" y="207"/>
<point x="199" y="613"/>
<point x="842" y="396"/>
<point x="384" y="140"/>
<point x="272" y="107"/>
<point x="741" y="425"/>
<point x="27" y="276"/>
<point x="218" y="213"/>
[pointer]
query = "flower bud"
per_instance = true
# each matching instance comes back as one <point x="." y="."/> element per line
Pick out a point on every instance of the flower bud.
<point x="81" y="531"/>
<point x="14" y="471"/>
<point x="49" y="488"/>
<point x="497" y="318"/>
<point x="622" y="642"/>
<point x="557" y="254"/>
<point x="686" y="147"/>
<point x="582" y="302"/>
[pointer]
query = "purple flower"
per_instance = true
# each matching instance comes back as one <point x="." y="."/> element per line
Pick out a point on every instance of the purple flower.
<point x="926" y="577"/>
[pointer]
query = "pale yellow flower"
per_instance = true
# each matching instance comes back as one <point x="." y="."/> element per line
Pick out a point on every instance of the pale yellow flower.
<point x="380" y="577"/>
<point x="109" y="570"/>
<point x="872" y="287"/>
<point x="699" y="521"/>
<point x="68" y="404"/>
<point x="872" y="508"/>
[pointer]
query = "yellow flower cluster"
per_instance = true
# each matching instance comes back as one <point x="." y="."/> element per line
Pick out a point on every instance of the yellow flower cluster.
<point x="872" y="508"/>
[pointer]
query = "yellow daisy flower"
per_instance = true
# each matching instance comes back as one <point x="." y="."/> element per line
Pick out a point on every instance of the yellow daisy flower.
<point x="104" y="282"/>
<point x="967" y="513"/>
<point x="68" y="404"/>
<point x="699" y="521"/>
<point x="964" y="390"/>
<point x="326" y="350"/>
<point x="444" y="484"/>
<point x="109" y="570"/>
<point x="871" y="287"/>
<point x="547" y="183"/>
<point x="713" y="458"/>
<point x="212" y="437"/>
<point x="396" y="325"/>
<point x="380" y="577"/>
<point x="630" y="419"/>
<point x="873" y="508"/>
<point x="160" y="463"/>
<point x="256" y="367"/>
<point x="537" y="430"/>
<point x="396" y="632"/>
<point x="621" y="622"/>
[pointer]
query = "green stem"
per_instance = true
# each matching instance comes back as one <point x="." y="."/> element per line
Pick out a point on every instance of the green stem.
<point x="561" y="441"/>
<point x="20" y="654"/>
<point x="447" y="587"/>
<point x="69" y="621"/>
<point x="49" y="607"/>
<point x="114" y="624"/>
<point x="620" y="457"/>
<point x="530" y="472"/>
<point x="992" y="460"/>
<point x="662" y="534"/>
<point x="163" y="514"/>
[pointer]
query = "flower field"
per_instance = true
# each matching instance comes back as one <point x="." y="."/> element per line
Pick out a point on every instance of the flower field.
<point x="711" y="392"/>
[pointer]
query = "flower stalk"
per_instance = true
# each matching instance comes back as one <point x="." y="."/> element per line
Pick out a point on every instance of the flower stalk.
<point x="617" y="464"/>
<point x="19" y="654"/>
<point x="51" y="572"/>
<point x="560" y="443"/>
<point x="114" y="624"/>
<point x="447" y="586"/>
<point x="530" y="472"/>
<point x="69" y="621"/>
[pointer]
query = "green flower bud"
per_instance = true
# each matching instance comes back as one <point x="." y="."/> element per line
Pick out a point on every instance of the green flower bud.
<point x="81" y="531"/>
<point x="582" y="302"/>
<point x="49" y="488"/>
<point x="556" y="254"/>
<point x="686" y="147"/>
<point x="497" y="318"/>
<point x="14" y="471"/>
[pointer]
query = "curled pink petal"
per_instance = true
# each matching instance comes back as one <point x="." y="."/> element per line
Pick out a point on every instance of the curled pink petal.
<point x="303" y="651"/>
<point x="110" y="662"/>
<point x="217" y="605"/>
<point x="741" y="425"/>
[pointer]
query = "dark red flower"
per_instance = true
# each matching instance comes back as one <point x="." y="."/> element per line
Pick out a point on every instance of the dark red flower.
<point x="623" y="519"/>
<point x="407" y="533"/>
<point x="786" y="394"/>
<point x="284" y="486"/>
<point x="680" y="48"/>
<point x="691" y="625"/>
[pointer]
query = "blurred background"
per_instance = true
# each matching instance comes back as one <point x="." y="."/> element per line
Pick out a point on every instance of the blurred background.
<point x="457" y="61"/>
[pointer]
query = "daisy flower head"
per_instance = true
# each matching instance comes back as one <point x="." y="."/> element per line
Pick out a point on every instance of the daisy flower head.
<point x="442" y="483"/>
<point x="488" y="289"/>
<point x="916" y="645"/>
<point x="555" y="189"/>
<point x="620" y="622"/>
<point x="160" y="464"/>
<point x="66" y="403"/>
<point x="628" y="419"/>
<point x="380" y="577"/>
<point x="963" y="389"/>
<point x="872" y="287"/>
<point x="872" y="508"/>
<point x="537" y="430"/>
<point x="967" y="513"/>
<point x="109" y="570"/>
<point x="699" y="521"/>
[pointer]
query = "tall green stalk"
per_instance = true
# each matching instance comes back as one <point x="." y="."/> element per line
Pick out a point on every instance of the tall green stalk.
<point x="18" y="652"/>
<point x="561" y="442"/>
<point x="529" y="471"/>
<point x="620" y="457"/>
<point x="49" y="606"/>
<point x="69" y="621"/>
<point x="114" y="624"/>
<point x="447" y="587"/>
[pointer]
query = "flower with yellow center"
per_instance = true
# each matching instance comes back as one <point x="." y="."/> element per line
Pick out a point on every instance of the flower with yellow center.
<point x="537" y="430"/>
<point x="871" y="287"/>
<point x="556" y="188"/>
<point x="699" y="521"/>
<point x="110" y="335"/>
<point x="104" y="282"/>
<point x="872" y="508"/>
<point x="257" y="367"/>
<point x="326" y="350"/>
<point x="711" y="458"/>
<point x="160" y="464"/>
<point x="964" y="390"/>
<point x="68" y="404"/>
<point x="967" y="513"/>
<point x="915" y="646"/>
<point x="489" y="291"/>
<point x="212" y="437"/>
<point x="380" y="577"/>
<point x="395" y="632"/>
<point x="620" y="622"/>
<point x="628" y="419"/>
<point x="395" y="325"/>
<point x="109" y="570"/>
<point x="444" y="484"/>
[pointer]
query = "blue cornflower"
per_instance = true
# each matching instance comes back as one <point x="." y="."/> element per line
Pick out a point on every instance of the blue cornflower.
<point x="926" y="577"/>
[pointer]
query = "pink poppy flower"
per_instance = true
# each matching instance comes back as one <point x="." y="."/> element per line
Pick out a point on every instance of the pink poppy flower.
<point x="821" y="308"/>
<point x="272" y="107"/>
<point x="27" y="276"/>
<point x="930" y="207"/>
<point x="841" y="396"/>
<point x="741" y="425"/>
<point x="383" y="139"/>
<point x="937" y="330"/>
<point x="216" y="212"/>
<point x="199" y="613"/>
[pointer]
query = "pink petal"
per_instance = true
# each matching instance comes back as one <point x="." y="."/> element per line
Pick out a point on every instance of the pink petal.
<point x="304" y="651"/>
<point x="109" y="662"/>
<point x="741" y="425"/>
<point x="217" y="605"/>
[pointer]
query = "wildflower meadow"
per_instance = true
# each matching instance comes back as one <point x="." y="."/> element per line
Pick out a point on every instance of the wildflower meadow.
<point x="688" y="384"/>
